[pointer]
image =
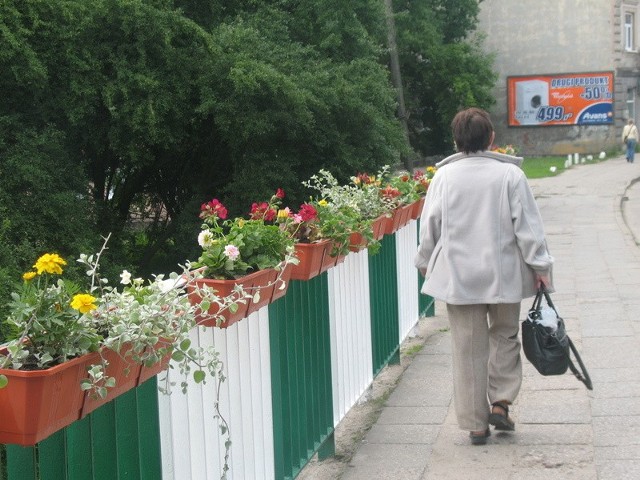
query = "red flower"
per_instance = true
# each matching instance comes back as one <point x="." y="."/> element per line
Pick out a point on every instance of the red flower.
<point x="307" y="212"/>
<point x="390" y="192"/>
<point x="262" y="211"/>
<point x="364" y="179"/>
<point x="213" y="209"/>
<point x="280" y="193"/>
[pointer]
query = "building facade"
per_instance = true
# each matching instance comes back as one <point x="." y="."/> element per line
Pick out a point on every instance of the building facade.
<point x="568" y="72"/>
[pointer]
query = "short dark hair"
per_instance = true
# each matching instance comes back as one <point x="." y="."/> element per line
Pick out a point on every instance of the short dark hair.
<point x="472" y="129"/>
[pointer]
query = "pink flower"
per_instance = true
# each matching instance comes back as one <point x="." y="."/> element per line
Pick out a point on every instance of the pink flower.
<point x="280" y="193"/>
<point x="231" y="252"/>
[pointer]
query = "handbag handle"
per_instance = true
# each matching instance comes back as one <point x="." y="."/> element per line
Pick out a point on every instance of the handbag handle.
<point x="537" y="302"/>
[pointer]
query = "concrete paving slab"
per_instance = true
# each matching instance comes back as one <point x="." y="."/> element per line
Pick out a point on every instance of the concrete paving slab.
<point x="603" y="455"/>
<point x="603" y="376"/>
<point x="611" y="431"/>
<point x="554" y="407"/>
<point x="394" y="462"/>
<point x="413" y="415"/>
<point x="619" y="470"/>
<point x="387" y="434"/>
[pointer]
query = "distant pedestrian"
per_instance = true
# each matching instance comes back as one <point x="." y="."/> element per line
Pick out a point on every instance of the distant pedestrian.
<point x="482" y="250"/>
<point x="630" y="138"/>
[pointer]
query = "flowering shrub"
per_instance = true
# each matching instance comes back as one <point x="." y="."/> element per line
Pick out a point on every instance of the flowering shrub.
<point x="49" y="318"/>
<point x="55" y="320"/>
<point x="421" y="180"/>
<point x="234" y="248"/>
<point x="343" y="210"/>
<point x="371" y="201"/>
<point x="304" y="225"/>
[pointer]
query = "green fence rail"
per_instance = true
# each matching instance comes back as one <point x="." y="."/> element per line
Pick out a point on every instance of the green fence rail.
<point x="301" y="376"/>
<point x="120" y="440"/>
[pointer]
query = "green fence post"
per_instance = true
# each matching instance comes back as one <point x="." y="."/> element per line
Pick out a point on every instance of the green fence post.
<point x="383" y="286"/>
<point x="302" y="396"/>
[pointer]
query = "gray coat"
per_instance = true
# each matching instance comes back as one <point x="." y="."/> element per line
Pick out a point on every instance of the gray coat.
<point x="481" y="234"/>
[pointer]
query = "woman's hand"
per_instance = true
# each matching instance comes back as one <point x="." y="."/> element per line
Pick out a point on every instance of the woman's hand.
<point x="542" y="280"/>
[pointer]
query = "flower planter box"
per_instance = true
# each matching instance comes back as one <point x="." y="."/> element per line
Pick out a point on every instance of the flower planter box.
<point x="405" y="214"/>
<point x="417" y="209"/>
<point x="314" y="258"/>
<point x="378" y="226"/>
<point x="399" y="218"/>
<point x="253" y="283"/>
<point x="392" y="224"/>
<point x="37" y="403"/>
<point x="357" y="242"/>
<point x="128" y="375"/>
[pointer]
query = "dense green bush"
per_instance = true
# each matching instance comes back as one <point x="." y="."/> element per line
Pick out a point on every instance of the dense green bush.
<point x="123" y="117"/>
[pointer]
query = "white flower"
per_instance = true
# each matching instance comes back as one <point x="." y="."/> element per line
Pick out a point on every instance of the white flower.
<point x="205" y="238"/>
<point x="232" y="252"/>
<point x="125" y="277"/>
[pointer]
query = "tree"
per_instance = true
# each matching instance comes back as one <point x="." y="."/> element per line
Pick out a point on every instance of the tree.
<point x="443" y="70"/>
<point x="165" y="104"/>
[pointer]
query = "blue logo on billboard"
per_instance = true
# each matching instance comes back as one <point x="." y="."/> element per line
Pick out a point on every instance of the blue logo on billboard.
<point x="599" y="113"/>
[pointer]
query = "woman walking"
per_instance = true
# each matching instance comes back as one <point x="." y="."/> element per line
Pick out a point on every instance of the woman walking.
<point x="630" y="138"/>
<point x="482" y="250"/>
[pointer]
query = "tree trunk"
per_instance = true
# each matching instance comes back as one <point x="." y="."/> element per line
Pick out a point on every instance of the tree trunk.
<point x="396" y="77"/>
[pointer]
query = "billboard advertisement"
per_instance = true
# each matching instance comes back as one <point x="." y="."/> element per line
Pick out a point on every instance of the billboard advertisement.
<point x="564" y="99"/>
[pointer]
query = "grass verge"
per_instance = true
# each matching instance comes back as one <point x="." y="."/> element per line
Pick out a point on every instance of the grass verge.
<point x="541" y="167"/>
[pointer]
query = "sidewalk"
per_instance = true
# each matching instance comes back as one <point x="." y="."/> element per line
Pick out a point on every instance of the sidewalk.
<point x="563" y="431"/>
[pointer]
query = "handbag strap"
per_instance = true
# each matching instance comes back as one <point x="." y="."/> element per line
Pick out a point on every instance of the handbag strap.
<point x="583" y="375"/>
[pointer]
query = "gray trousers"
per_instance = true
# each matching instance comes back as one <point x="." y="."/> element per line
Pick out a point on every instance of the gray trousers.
<point x="486" y="359"/>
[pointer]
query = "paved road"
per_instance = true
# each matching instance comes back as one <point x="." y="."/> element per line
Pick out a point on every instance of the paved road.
<point x="592" y="220"/>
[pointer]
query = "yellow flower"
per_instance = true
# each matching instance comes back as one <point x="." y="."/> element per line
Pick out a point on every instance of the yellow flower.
<point x="283" y="213"/>
<point x="323" y="203"/>
<point x="29" y="276"/>
<point x="83" y="302"/>
<point x="241" y="222"/>
<point x="50" y="263"/>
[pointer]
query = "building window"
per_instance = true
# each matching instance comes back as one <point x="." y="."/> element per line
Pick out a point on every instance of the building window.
<point x="631" y="103"/>
<point x="629" y="41"/>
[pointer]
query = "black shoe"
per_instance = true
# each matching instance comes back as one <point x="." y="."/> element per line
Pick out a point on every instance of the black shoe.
<point x="480" y="439"/>
<point x="499" y="420"/>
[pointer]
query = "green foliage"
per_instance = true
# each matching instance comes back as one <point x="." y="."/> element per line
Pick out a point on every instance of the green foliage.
<point x="443" y="68"/>
<point x="165" y="104"/>
<point x="344" y="209"/>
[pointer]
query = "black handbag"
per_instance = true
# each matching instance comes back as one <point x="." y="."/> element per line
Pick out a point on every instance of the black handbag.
<point x="550" y="351"/>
